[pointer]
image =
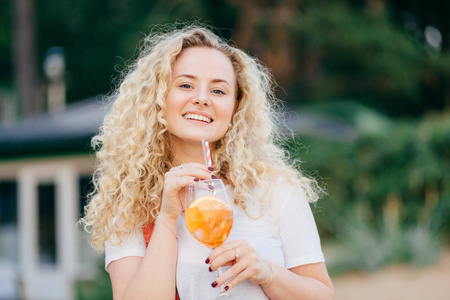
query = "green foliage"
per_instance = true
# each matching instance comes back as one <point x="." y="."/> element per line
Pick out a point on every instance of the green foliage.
<point x="98" y="289"/>
<point x="363" y="54"/>
<point x="6" y="43"/>
<point x="318" y="50"/>
<point x="361" y="244"/>
<point x="389" y="192"/>
<point x="99" y="36"/>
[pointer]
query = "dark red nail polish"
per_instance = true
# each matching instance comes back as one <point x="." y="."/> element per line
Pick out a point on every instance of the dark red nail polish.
<point x="211" y="187"/>
<point x="211" y="168"/>
<point x="213" y="176"/>
<point x="226" y="288"/>
<point x="210" y="269"/>
<point x="196" y="179"/>
<point x="214" y="284"/>
<point x="207" y="261"/>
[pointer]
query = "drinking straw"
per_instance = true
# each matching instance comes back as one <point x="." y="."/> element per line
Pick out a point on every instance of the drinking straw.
<point x="207" y="153"/>
<point x="208" y="161"/>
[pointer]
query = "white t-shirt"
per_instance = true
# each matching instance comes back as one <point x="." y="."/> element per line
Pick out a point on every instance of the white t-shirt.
<point x="294" y="242"/>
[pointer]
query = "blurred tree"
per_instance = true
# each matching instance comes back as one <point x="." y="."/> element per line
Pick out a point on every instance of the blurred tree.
<point x="25" y="57"/>
<point x="319" y="50"/>
<point x="100" y="36"/>
<point x="327" y="50"/>
<point x="360" y="54"/>
<point x="416" y="15"/>
<point x="6" y="34"/>
<point x="263" y="28"/>
<point x="429" y="23"/>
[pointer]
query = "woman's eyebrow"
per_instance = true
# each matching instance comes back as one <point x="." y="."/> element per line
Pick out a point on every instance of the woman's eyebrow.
<point x="217" y="80"/>
<point x="186" y="75"/>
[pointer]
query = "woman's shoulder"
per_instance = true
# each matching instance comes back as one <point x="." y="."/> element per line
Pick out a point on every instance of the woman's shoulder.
<point x="285" y="191"/>
<point x="285" y="186"/>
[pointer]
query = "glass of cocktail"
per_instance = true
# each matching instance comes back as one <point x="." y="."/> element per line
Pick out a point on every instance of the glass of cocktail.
<point x="209" y="216"/>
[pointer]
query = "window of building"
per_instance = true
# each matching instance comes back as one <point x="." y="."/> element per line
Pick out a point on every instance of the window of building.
<point x="8" y="221"/>
<point x="47" y="223"/>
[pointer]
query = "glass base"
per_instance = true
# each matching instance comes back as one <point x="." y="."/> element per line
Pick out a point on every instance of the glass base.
<point x="228" y="296"/>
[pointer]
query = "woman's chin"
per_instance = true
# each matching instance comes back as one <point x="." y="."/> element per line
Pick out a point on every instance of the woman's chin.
<point x="192" y="140"/>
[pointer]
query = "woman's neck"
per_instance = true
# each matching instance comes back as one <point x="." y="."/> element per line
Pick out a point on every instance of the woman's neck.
<point x="187" y="152"/>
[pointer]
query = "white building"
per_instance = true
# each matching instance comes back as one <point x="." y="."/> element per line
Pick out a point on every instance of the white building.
<point x="45" y="169"/>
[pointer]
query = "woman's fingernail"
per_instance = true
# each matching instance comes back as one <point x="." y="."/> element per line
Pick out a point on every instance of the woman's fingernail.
<point x="211" y="187"/>
<point x="213" y="176"/>
<point x="211" y="168"/>
<point x="226" y="288"/>
<point x="210" y="269"/>
<point x="196" y="179"/>
<point x="214" y="284"/>
<point x="207" y="261"/>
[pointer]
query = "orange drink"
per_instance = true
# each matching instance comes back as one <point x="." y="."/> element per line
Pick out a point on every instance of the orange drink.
<point x="209" y="220"/>
<point x="209" y="217"/>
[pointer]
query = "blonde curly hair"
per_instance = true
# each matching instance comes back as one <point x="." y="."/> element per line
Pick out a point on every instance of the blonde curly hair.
<point x="133" y="145"/>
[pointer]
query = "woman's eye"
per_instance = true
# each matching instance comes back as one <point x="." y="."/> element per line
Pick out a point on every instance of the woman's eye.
<point x="186" y="86"/>
<point x="218" y="92"/>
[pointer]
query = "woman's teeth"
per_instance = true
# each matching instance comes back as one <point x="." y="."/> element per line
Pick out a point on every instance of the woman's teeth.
<point x="197" y="117"/>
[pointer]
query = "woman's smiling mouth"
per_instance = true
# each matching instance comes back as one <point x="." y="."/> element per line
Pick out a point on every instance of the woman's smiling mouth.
<point x="197" y="118"/>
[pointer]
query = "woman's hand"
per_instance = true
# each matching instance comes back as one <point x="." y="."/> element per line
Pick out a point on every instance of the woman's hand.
<point x="175" y="180"/>
<point x="244" y="264"/>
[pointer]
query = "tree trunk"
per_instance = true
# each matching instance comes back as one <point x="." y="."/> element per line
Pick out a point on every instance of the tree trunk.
<point x="25" y="57"/>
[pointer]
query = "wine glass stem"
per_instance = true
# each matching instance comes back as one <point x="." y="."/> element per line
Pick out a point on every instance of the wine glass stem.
<point x="222" y="292"/>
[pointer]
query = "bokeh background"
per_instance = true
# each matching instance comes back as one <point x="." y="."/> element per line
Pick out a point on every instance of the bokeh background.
<point x="366" y="84"/>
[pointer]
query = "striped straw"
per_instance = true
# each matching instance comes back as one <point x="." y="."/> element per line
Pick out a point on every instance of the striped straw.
<point x="207" y="153"/>
<point x="208" y="161"/>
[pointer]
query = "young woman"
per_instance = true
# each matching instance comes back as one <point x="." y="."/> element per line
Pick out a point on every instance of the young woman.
<point x="189" y="85"/>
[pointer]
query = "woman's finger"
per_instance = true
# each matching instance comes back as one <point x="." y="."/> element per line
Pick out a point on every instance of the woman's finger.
<point x="190" y="169"/>
<point x="193" y="164"/>
<point x="178" y="178"/>
<point x="226" y="258"/>
<point x="238" y="278"/>
<point x="257" y="270"/>
<point x="244" y="263"/>
<point x="233" y="245"/>
<point x="234" y="271"/>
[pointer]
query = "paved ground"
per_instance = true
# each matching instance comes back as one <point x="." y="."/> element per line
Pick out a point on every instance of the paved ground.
<point x="397" y="283"/>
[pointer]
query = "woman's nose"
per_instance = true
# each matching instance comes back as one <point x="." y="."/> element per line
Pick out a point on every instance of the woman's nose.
<point x="202" y="98"/>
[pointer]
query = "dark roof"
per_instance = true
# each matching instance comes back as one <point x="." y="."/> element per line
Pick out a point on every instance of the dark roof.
<point x="68" y="131"/>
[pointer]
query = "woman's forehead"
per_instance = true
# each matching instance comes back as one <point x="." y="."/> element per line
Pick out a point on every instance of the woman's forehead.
<point x="204" y="61"/>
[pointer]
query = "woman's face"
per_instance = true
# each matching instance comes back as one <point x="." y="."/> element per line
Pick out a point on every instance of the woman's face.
<point x="202" y="96"/>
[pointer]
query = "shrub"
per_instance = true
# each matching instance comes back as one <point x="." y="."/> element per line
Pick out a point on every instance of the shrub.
<point x="388" y="191"/>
